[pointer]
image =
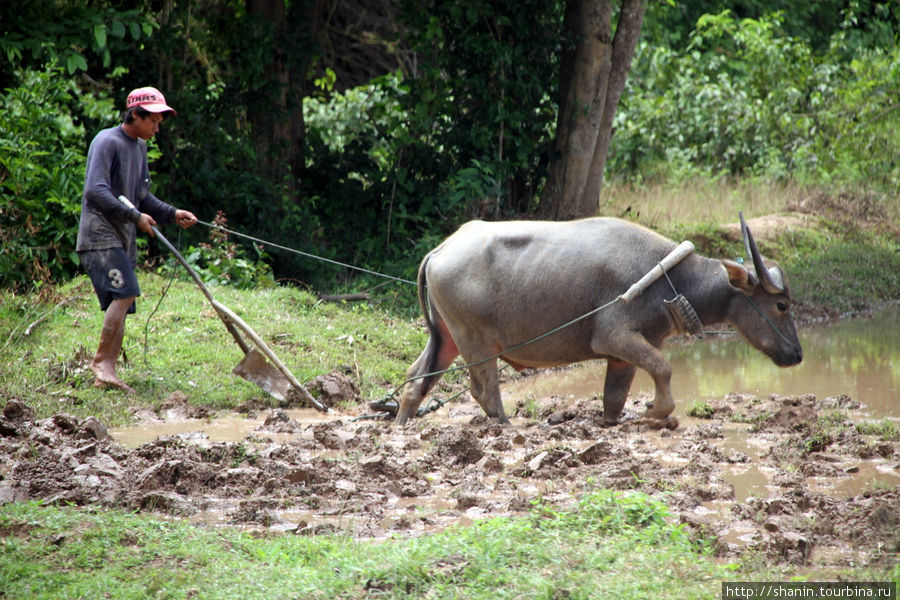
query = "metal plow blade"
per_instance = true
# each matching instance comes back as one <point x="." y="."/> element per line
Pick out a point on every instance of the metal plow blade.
<point x="256" y="369"/>
<point x="261" y="366"/>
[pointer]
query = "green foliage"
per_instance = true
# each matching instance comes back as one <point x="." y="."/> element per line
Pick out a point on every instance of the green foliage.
<point x="847" y="277"/>
<point x="394" y="166"/>
<point x="485" y="94"/>
<point x="221" y="261"/>
<point x="855" y="138"/>
<point x="864" y="23"/>
<point x="222" y="266"/>
<point x="608" y="511"/>
<point x="67" y="34"/>
<point x="700" y="409"/>
<point x="743" y="98"/>
<point x="41" y="178"/>
<point x="337" y="119"/>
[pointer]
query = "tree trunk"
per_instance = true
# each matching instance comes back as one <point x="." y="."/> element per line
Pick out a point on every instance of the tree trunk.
<point x="628" y="31"/>
<point x="592" y="77"/>
<point x="277" y="124"/>
<point x="269" y="128"/>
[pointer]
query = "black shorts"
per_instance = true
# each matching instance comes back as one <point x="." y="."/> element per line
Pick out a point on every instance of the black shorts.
<point x="112" y="275"/>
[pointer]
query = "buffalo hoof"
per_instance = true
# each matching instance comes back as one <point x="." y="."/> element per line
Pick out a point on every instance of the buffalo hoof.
<point x="667" y="423"/>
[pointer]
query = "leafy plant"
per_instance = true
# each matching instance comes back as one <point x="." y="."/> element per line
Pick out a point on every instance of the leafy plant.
<point x="224" y="262"/>
<point x="68" y="35"/>
<point x="41" y="178"/>
<point x="746" y="99"/>
<point x="701" y="410"/>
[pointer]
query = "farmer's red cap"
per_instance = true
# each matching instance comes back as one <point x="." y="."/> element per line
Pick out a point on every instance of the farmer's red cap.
<point x="148" y="98"/>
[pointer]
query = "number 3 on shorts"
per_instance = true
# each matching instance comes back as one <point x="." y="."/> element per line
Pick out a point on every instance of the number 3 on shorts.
<point x="116" y="279"/>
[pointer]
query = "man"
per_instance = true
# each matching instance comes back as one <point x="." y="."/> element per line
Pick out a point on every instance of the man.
<point x="107" y="234"/>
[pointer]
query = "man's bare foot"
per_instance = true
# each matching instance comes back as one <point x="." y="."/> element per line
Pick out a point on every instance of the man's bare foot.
<point x="104" y="379"/>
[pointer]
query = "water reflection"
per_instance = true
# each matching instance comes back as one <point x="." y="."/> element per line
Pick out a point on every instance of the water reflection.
<point x="859" y="358"/>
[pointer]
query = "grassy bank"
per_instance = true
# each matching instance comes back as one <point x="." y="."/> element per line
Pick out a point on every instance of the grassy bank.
<point x="612" y="545"/>
<point x="183" y="346"/>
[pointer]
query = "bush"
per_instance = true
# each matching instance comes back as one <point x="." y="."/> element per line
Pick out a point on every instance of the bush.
<point x="41" y="177"/>
<point x="221" y="261"/>
<point x="745" y="99"/>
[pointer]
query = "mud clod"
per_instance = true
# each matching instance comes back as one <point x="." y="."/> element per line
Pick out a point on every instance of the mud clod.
<point x="334" y="388"/>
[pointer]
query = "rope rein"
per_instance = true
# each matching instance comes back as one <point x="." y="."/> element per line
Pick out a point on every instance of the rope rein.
<point x="305" y="254"/>
<point x="771" y="324"/>
<point x="156" y="308"/>
<point x="507" y="350"/>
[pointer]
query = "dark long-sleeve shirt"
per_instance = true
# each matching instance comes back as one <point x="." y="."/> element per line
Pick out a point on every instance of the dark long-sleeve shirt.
<point x="117" y="165"/>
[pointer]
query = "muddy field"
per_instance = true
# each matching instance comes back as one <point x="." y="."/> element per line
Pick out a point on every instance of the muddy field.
<point x="303" y="473"/>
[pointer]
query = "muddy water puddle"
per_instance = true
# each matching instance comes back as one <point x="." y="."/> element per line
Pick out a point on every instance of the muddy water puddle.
<point x="858" y="358"/>
<point x="228" y="428"/>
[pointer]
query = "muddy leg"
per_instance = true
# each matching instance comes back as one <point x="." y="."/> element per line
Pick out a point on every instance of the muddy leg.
<point x="486" y="389"/>
<point x="619" y="376"/>
<point x="413" y="392"/>
<point x="437" y="356"/>
<point x="111" y="336"/>
<point x="636" y="350"/>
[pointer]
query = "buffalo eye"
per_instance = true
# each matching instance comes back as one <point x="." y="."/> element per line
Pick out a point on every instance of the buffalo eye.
<point x="782" y="306"/>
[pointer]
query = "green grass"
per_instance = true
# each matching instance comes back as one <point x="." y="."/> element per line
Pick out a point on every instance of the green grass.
<point x="847" y="277"/>
<point x="700" y="409"/>
<point x="622" y="544"/>
<point x="189" y="349"/>
<point x="611" y="545"/>
<point x="885" y="429"/>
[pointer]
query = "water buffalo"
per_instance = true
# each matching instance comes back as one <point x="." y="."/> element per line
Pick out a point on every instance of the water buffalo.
<point x="491" y="286"/>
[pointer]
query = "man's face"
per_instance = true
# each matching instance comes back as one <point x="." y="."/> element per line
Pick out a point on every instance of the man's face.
<point x="148" y="126"/>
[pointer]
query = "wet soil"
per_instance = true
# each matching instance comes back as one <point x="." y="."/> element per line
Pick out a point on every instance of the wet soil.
<point x="373" y="480"/>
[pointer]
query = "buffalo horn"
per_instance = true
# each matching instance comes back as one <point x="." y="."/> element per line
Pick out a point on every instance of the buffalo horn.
<point x="765" y="278"/>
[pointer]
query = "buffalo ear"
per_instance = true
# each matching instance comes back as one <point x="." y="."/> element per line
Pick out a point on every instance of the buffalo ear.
<point x="739" y="277"/>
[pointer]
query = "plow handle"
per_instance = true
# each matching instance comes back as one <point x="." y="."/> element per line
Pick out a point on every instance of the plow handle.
<point x="228" y="324"/>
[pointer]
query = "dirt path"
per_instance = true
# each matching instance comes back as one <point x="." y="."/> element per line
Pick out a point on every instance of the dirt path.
<point x="374" y="480"/>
